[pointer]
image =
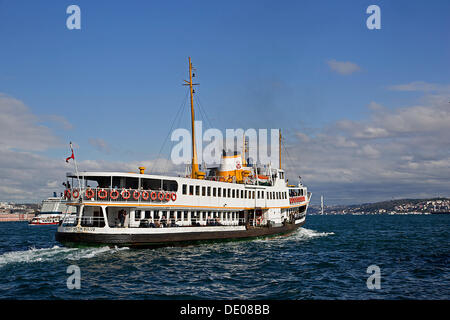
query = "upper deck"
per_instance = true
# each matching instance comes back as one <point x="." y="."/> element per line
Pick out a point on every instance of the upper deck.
<point x="146" y="190"/>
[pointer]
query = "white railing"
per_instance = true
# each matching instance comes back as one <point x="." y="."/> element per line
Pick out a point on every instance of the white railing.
<point x="120" y="195"/>
<point x="99" y="222"/>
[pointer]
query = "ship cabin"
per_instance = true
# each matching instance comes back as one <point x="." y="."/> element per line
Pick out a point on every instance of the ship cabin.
<point x="139" y="200"/>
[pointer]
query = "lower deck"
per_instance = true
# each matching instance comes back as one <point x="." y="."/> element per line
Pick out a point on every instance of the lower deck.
<point x="187" y="237"/>
<point x="163" y="226"/>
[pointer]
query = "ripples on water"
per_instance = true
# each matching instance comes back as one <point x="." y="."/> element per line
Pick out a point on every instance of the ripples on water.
<point x="325" y="260"/>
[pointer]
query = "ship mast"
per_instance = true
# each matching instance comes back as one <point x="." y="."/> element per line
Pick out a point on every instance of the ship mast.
<point x="195" y="172"/>
<point x="279" y="146"/>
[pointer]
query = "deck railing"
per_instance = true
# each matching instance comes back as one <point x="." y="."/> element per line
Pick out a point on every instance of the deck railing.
<point x="120" y="195"/>
<point x="99" y="222"/>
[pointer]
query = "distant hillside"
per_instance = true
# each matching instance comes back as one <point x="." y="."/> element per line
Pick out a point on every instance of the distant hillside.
<point x="391" y="204"/>
<point x="433" y="205"/>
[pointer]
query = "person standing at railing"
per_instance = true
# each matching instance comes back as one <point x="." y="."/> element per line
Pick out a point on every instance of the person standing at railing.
<point x="122" y="217"/>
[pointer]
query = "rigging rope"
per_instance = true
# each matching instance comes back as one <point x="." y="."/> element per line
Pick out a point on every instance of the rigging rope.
<point x="171" y="128"/>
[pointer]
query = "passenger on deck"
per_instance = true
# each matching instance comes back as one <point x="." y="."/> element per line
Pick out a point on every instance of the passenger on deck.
<point x="164" y="221"/>
<point x="122" y="217"/>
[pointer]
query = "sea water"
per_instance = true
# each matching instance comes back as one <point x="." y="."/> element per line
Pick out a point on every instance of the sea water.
<point x="326" y="259"/>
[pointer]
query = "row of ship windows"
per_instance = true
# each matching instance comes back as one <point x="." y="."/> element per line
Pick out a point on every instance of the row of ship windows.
<point x="184" y="215"/>
<point x="232" y="193"/>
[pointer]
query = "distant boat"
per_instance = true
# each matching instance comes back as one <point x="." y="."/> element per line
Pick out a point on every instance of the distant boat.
<point x="52" y="211"/>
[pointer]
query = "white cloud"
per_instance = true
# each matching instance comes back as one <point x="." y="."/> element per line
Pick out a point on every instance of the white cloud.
<point x="401" y="152"/>
<point x="420" y="86"/>
<point x="100" y="144"/>
<point x="20" y="129"/>
<point x="343" y="67"/>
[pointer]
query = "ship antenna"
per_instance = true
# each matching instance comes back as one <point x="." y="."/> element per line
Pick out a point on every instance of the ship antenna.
<point x="279" y="146"/>
<point x="195" y="172"/>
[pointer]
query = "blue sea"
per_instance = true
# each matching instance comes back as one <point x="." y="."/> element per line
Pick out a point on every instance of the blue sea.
<point x="326" y="259"/>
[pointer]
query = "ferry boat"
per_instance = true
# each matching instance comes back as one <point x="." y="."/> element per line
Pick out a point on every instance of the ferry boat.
<point x="234" y="201"/>
<point x="52" y="211"/>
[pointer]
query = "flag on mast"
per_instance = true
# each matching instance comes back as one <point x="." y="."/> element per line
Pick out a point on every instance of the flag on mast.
<point x="72" y="156"/>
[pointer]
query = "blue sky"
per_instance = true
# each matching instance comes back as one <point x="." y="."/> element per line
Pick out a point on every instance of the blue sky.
<point x="261" y="64"/>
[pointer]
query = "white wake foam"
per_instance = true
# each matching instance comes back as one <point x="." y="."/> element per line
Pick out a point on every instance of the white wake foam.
<point x="55" y="253"/>
<point x="305" y="234"/>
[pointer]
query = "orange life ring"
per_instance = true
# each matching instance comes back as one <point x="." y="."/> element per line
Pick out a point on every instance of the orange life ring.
<point x="136" y="194"/>
<point x="114" y="194"/>
<point x="153" y="195"/>
<point x="160" y="196"/>
<point x="126" y="194"/>
<point x="102" y="194"/>
<point x="89" y="193"/>
<point x="75" y="191"/>
<point x="67" y="194"/>
<point x="145" y="195"/>
<point x="173" y="196"/>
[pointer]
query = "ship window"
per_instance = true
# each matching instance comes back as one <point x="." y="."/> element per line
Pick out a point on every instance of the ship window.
<point x="229" y="193"/>
<point x="253" y="194"/>
<point x="137" y="215"/>
<point x="185" y="216"/>
<point x="197" y="190"/>
<point x="242" y="193"/>
<point x="208" y="191"/>
<point x="237" y="193"/>
<point x="172" y="214"/>
<point x="214" y="192"/>
<point x="149" y="184"/>
<point x="219" y="192"/>
<point x="156" y="214"/>
<point x="234" y="193"/>
<point x="184" y="189"/>
<point x="147" y="214"/>
<point x="246" y="194"/>
<point x="203" y="191"/>
<point x="191" y="190"/>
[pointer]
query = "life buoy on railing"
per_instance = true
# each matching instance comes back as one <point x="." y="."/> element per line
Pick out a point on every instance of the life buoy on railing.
<point x="126" y="194"/>
<point x="136" y="194"/>
<point x="145" y="195"/>
<point x="75" y="193"/>
<point x="67" y="194"/>
<point x="153" y="195"/>
<point x="167" y="197"/>
<point x="114" y="194"/>
<point x="160" y="196"/>
<point x="102" y="194"/>
<point x="173" y="196"/>
<point x="89" y="193"/>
